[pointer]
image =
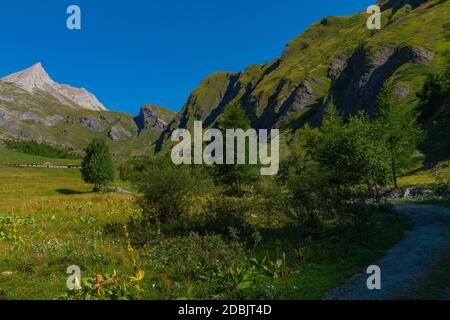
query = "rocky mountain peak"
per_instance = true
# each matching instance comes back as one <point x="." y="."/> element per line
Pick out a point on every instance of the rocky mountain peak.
<point x="36" y="78"/>
<point x="31" y="78"/>
<point x="149" y="118"/>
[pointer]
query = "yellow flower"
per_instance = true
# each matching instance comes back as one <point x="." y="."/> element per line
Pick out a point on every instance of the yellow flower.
<point x="139" y="276"/>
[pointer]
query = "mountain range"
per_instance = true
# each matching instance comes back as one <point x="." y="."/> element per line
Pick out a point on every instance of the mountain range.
<point x="33" y="106"/>
<point x="337" y="59"/>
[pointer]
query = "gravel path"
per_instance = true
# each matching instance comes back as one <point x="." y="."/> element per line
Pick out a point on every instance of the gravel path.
<point x="407" y="261"/>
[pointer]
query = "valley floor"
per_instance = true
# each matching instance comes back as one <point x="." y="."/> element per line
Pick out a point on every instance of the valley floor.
<point x="49" y="221"/>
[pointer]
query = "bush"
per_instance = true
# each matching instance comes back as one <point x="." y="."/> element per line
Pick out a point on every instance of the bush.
<point x="167" y="191"/>
<point x="226" y="216"/>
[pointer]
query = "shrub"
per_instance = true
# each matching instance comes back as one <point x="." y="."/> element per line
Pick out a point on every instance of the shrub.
<point x="167" y="191"/>
<point x="226" y="216"/>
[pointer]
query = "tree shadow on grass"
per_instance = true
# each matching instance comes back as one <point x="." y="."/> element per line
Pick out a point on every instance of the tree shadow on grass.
<point x="71" y="192"/>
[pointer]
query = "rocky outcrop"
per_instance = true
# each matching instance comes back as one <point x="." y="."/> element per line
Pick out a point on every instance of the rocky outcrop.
<point x="53" y="120"/>
<point x="357" y="80"/>
<point x="303" y="95"/>
<point x="148" y="119"/>
<point x="92" y="124"/>
<point x="118" y="132"/>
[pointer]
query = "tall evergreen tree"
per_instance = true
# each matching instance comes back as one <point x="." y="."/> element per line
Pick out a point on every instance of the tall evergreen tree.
<point x="401" y="129"/>
<point x="97" y="165"/>
<point x="234" y="175"/>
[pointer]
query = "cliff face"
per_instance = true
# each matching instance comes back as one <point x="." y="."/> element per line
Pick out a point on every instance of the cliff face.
<point x="336" y="59"/>
<point x="153" y="118"/>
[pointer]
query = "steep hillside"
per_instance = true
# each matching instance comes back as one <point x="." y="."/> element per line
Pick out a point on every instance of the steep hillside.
<point x="336" y="59"/>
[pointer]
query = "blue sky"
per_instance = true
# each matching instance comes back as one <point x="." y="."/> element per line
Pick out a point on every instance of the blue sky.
<point x="134" y="52"/>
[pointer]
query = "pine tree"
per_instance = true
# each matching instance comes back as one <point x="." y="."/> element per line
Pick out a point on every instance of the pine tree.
<point x="97" y="165"/>
<point x="402" y="132"/>
<point x="234" y="175"/>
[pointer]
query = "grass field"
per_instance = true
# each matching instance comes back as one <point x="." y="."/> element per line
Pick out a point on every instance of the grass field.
<point x="49" y="221"/>
<point x="417" y="178"/>
<point x="13" y="157"/>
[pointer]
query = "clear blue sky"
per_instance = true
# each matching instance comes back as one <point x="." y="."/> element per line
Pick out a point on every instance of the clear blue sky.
<point x="134" y="52"/>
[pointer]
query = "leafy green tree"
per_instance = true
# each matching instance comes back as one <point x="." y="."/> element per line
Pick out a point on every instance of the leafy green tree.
<point x="401" y="130"/>
<point x="97" y="165"/>
<point x="234" y="175"/>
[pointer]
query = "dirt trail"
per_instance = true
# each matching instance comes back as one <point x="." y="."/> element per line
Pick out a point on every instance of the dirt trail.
<point x="408" y="261"/>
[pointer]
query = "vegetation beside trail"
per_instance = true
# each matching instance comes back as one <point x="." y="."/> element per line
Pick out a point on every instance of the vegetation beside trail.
<point x="195" y="232"/>
<point x="49" y="229"/>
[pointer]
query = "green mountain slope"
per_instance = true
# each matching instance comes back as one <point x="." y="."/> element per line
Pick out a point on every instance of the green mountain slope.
<point x="336" y="59"/>
<point x="39" y="116"/>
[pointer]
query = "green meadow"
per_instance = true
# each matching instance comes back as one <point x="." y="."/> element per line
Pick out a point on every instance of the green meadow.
<point x="50" y="220"/>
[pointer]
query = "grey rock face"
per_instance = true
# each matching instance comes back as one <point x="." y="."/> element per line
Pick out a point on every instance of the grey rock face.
<point x="92" y="124"/>
<point x="5" y="116"/>
<point x="302" y="96"/>
<point x="53" y="120"/>
<point x="117" y="132"/>
<point x="26" y="115"/>
<point x="358" y="80"/>
<point x="6" y="99"/>
<point x="337" y="66"/>
<point x="148" y="119"/>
